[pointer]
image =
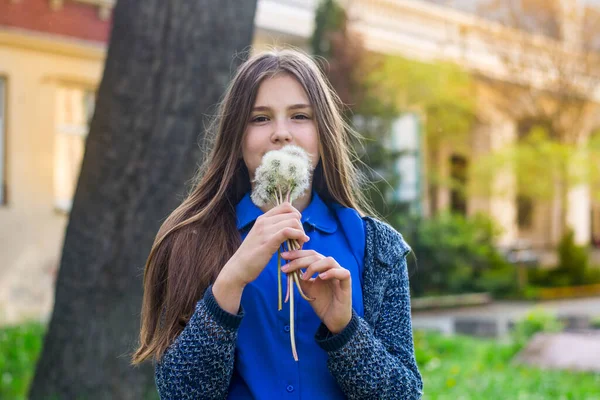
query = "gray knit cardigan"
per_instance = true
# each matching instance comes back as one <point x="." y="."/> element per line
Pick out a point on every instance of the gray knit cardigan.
<point x="372" y="358"/>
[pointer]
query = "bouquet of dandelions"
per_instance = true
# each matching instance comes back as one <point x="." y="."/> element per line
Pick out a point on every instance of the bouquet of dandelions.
<point x="284" y="176"/>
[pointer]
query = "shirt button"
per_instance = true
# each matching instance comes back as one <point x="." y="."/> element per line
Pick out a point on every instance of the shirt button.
<point x="289" y="388"/>
<point x="287" y="329"/>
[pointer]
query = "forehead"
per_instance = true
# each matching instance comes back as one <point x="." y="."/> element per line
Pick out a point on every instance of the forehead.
<point x="280" y="89"/>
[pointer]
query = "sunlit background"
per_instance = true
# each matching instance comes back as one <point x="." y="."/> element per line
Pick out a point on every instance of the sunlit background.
<point x="481" y="121"/>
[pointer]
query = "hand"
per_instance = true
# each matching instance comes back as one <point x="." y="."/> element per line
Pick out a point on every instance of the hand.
<point x="331" y="289"/>
<point x="268" y="233"/>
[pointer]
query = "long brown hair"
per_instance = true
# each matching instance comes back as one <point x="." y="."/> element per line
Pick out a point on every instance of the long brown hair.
<point x="200" y="236"/>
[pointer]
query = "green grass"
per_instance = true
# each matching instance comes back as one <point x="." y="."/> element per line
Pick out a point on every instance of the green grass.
<point x="465" y="368"/>
<point x="20" y="347"/>
<point x="453" y="368"/>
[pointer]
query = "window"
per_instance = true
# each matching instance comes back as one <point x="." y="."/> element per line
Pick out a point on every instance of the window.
<point x="74" y="110"/>
<point x="524" y="212"/>
<point x="525" y="202"/>
<point x="406" y="143"/>
<point x="2" y="140"/>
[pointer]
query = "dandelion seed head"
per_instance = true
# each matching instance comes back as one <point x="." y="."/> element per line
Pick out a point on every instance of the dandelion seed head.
<point x="285" y="170"/>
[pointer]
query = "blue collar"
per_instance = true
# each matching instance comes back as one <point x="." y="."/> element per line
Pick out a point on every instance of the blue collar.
<point x="317" y="214"/>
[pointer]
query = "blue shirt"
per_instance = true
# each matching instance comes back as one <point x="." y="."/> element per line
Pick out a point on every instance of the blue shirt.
<point x="264" y="366"/>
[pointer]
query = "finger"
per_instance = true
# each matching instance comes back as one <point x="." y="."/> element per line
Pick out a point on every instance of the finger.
<point x="303" y="262"/>
<point x="292" y="255"/>
<point x="282" y="209"/>
<point x="320" y="266"/>
<point x="297" y="244"/>
<point x="341" y="274"/>
<point x="288" y="233"/>
<point x="274" y="219"/>
<point x="288" y="223"/>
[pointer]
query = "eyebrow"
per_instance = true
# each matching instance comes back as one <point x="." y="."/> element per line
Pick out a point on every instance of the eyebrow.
<point x="292" y="107"/>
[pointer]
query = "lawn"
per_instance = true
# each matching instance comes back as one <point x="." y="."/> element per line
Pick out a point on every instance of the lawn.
<point x="453" y="368"/>
<point x="19" y="350"/>
<point x="465" y="368"/>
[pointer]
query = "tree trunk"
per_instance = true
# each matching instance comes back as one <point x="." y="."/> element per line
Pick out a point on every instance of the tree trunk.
<point x="168" y="62"/>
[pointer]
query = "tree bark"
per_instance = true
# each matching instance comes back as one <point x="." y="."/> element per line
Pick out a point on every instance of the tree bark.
<point x="168" y="62"/>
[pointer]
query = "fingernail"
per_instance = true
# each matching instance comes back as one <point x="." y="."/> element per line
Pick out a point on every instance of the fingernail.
<point x="307" y="238"/>
<point x="285" y="253"/>
<point x="323" y="275"/>
<point x="284" y="268"/>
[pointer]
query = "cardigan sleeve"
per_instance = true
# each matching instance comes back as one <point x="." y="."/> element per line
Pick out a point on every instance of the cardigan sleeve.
<point x="377" y="361"/>
<point x="199" y="362"/>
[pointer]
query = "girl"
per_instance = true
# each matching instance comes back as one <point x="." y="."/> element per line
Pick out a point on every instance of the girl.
<point x="209" y="316"/>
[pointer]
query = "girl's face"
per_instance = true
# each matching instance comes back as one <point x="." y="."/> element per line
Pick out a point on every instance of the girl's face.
<point x="281" y="115"/>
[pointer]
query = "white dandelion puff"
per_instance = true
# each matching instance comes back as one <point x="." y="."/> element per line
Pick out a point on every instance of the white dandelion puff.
<point x="285" y="171"/>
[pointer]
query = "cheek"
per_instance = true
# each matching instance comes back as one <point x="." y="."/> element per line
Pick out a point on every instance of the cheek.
<point x="310" y="143"/>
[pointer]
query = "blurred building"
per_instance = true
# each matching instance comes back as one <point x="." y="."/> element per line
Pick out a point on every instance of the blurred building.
<point x="51" y="60"/>
<point x="458" y="31"/>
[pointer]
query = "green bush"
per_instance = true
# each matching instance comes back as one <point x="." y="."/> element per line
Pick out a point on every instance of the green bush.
<point x="592" y="275"/>
<point x="537" y="320"/>
<point x="456" y="255"/>
<point x="573" y="267"/>
<point x="573" y="260"/>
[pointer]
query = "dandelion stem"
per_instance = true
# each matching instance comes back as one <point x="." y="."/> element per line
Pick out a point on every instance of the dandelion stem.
<point x="296" y="274"/>
<point x="279" y="306"/>
<point x="279" y="289"/>
<point x="292" y="325"/>
<point x="287" y="291"/>
<point x="304" y="296"/>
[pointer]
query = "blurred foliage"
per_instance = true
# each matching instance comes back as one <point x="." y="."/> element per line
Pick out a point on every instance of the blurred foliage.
<point x="593" y="155"/>
<point x="537" y="320"/>
<point x="573" y="267"/>
<point x="573" y="260"/>
<point x="329" y="17"/>
<point x="341" y="54"/>
<point x="468" y="368"/>
<point x="457" y="255"/>
<point x="442" y="93"/>
<point x="19" y="350"/>
<point x="542" y="162"/>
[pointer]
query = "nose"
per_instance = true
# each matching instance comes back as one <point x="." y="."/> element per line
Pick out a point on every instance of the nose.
<point x="281" y="133"/>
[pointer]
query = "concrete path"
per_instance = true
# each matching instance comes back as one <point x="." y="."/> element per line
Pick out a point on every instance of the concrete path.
<point x="495" y="319"/>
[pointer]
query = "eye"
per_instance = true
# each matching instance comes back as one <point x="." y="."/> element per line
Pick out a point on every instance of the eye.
<point x="301" y="116"/>
<point x="259" y="118"/>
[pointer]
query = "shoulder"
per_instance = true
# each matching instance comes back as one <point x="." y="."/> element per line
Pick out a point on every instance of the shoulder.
<point x="384" y="242"/>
